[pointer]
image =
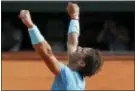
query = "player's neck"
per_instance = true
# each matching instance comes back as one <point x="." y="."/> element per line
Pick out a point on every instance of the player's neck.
<point x="72" y="66"/>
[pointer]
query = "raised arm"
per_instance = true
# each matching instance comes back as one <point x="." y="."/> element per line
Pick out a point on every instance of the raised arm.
<point x="39" y="43"/>
<point x="74" y="29"/>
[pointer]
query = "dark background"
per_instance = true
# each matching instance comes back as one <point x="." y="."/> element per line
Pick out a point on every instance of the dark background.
<point x="92" y="18"/>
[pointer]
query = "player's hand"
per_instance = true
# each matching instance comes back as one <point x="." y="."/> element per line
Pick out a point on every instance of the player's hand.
<point x="26" y="18"/>
<point x="73" y="10"/>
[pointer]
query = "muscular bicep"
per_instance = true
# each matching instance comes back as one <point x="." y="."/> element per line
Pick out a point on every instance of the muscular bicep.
<point x="72" y="42"/>
<point x="44" y="50"/>
<point x="53" y="64"/>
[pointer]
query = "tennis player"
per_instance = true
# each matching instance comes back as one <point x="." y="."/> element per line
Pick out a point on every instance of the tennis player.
<point x="83" y="62"/>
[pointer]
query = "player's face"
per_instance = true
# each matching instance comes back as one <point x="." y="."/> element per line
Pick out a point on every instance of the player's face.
<point x="79" y="54"/>
<point x="82" y="51"/>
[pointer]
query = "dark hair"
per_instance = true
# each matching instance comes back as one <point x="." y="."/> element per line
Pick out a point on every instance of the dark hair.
<point x="93" y="63"/>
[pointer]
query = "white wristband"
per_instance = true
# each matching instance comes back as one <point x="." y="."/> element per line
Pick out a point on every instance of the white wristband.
<point x="74" y="27"/>
<point x="35" y="35"/>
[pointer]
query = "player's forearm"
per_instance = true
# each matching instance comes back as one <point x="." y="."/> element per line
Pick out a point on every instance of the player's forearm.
<point x="44" y="50"/>
<point x="73" y="34"/>
<point x="39" y="43"/>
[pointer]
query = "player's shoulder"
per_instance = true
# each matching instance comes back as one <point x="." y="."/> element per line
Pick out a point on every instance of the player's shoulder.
<point x="64" y="66"/>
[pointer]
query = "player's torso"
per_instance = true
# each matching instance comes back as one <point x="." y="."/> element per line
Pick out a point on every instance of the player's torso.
<point x="72" y="81"/>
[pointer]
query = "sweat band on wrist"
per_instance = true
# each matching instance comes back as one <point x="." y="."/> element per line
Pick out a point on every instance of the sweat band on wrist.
<point x="35" y="35"/>
<point x="74" y="27"/>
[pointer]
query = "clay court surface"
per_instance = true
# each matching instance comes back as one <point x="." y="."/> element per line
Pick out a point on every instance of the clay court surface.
<point x="28" y="74"/>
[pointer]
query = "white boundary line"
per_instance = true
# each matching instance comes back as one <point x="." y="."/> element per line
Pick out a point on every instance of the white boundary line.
<point x="0" y="47"/>
<point x="67" y="0"/>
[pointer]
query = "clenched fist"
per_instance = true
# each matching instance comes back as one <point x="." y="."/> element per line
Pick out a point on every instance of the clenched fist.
<point x="26" y="18"/>
<point x="73" y="10"/>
